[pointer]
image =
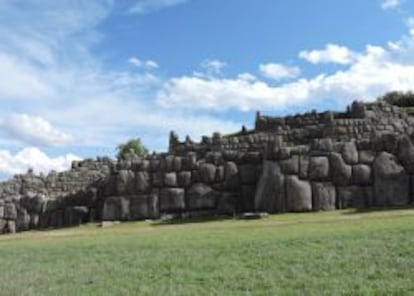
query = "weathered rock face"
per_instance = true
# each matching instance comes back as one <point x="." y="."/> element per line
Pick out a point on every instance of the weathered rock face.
<point x="391" y="181"/>
<point x="270" y="194"/>
<point x="299" y="194"/>
<point x="311" y="162"/>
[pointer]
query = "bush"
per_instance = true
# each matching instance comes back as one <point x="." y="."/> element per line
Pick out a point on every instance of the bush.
<point x="399" y="98"/>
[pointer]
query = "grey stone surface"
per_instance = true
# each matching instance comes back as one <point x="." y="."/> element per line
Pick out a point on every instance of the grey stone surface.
<point x="341" y="172"/>
<point x="115" y="208"/>
<point x="138" y="207"/>
<point x="361" y="174"/>
<point x="143" y="182"/>
<point x="350" y="153"/>
<point x="323" y="196"/>
<point x="270" y="193"/>
<point x="319" y="168"/>
<point x="299" y="194"/>
<point x="248" y="174"/>
<point x="208" y="173"/>
<point x="391" y="183"/>
<point x="201" y="196"/>
<point x="170" y="179"/>
<point x="172" y="199"/>
<point x="290" y="166"/>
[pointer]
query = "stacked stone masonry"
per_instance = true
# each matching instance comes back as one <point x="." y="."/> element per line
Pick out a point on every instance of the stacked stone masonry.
<point x="361" y="158"/>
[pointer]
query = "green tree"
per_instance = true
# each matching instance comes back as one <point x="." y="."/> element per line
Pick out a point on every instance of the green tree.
<point x="132" y="146"/>
<point x="399" y="98"/>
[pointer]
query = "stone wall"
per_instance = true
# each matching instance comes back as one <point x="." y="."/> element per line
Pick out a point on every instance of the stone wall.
<point x="361" y="158"/>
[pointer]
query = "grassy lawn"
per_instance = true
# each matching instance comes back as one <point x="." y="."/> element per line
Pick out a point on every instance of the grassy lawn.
<point x="335" y="253"/>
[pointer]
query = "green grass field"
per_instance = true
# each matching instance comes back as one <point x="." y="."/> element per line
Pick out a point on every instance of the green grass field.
<point x="335" y="253"/>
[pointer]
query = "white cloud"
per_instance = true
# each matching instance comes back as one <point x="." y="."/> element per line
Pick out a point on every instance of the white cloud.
<point x="34" y="130"/>
<point x="32" y="157"/>
<point x="149" y="64"/>
<point x="278" y="71"/>
<point x="368" y="74"/>
<point x="213" y="67"/>
<point x="390" y="4"/>
<point x="332" y="53"/>
<point x="148" y="6"/>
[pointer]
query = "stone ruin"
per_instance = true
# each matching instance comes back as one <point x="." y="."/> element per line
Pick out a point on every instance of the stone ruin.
<point x="360" y="158"/>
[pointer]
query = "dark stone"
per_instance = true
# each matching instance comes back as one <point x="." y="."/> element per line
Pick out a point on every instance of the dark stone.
<point x="391" y="182"/>
<point x="324" y="196"/>
<point x="143" y="182"/>
<point x="350" y="153"/>
<point x="76" y="215"/>
<point x="406" y="154"/>
<point x="226" y="204"/>
<point x="33" y="203"/>
<point x="290" y="166"/>
<point x="231" y="176"/>
<point x="351" y="197"/>
<point x="125" y="182"/>
<point x="153" y="204"/>
<point x="341" y="172"/>
<point x="319" y="168"/>
<point x="270" y="193"/>
<point x="299" y="194"/>
<point x="22" y="220"/>
<point x="366" y="156"/>
<point x="208" y="173"/>
<point x="361" y="174"/>
<point x="184" y="179"/>
<point x="303" y="166"/>
<point x="247" y="198"/>
<point x="116" y="208"/>
<point x="248" y="174"/>
<point x="201" y="197"/>
<point x="138" y="207"/>
<point x="172" y="199"/>
<point x="10" y="211"/>
<point x="170" y="179"/>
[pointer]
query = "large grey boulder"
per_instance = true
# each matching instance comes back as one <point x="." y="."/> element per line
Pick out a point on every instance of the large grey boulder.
<point x="270" y="192"/>
<point x="248" y="174"/>
<point x="319" y="168"/>
<point x="290" y="166"/>
<point x="201" y="196"/>
<point x="391" y="183"/>
<point x="299" y="194"/>
<point x="138" y="207"/>
<point x="227" y="203"/>
<point x="353" y="196"/>
<point x="184" y="179"/>
<point x="406" y="153"/>
<point x="247" y="198"/>
<point x="143" y="182"/>
<point x="172" y="199"/>
<point x="367" y="156"/>
<point x="170" y="179"/>
<point x="303" y="166"/>
<point x="10" y="211"/>
<point x="22" y="219"/>
<point x="125" y="182"/>
<point x="75" y="215"/>
<point x="350" y="153"/>
<point x="361" y="174"/>
<point x="115" y="208"/>
<point x="341" y="172"/>
<point x="324" y="196"/>
<point x="208" y="173"/>
<point x="231" y="176"/>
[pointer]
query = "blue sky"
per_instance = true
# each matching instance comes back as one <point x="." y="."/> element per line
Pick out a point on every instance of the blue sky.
<point x="79" y="77"/>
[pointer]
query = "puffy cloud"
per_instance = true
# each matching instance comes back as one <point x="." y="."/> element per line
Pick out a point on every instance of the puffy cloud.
<point x="390" y="4"/>
<point x="367" y="75"/>
<point x="32" y="157"/>
<point x="332" y="53"/>
<point x="278" y="71"/>
<point x="35" y="130"/>
<point x="149" y="6"/>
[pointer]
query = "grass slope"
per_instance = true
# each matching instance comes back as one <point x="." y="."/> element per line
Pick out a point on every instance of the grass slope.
<point x="336" y="253"/>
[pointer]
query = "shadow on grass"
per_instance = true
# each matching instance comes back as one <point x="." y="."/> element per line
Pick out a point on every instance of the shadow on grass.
<point x="378" y="209"/>
<point x="189" y="220"/>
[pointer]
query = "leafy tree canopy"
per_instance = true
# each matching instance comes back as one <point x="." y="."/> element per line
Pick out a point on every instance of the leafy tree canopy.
<point x="132" y="146"/>
<point x="399" y="98"/>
